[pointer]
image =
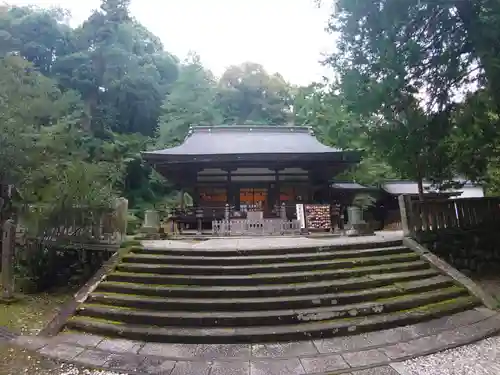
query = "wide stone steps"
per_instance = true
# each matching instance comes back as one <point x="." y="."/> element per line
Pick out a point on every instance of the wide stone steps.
<point x="266" y="278"/>
<point x="260" y="251"/>
<point x="261" y="268"/>
<point x="285" y="332"/>
<point x="159" y="257"/>
<point x="204" y="302"/>
<point x="264" y="317"/>
<point x="226" y="295"/>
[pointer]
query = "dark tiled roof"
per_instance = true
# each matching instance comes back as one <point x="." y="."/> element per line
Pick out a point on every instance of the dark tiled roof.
<point x="244" y="139"/>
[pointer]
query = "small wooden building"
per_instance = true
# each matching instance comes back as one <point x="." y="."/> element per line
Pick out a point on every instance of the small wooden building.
<point x="252" y="168"/>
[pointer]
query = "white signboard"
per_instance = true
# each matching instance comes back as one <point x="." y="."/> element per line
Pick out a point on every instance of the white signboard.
<point x="299" y="209"/>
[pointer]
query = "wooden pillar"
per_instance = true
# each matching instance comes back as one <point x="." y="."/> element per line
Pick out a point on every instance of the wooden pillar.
<point x="277" y="187"/>
<point x="8" y="246"/>
<point x="229" y="189"/>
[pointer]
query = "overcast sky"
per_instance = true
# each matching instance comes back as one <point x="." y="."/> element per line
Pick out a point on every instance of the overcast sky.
<point x="286" y="36"/>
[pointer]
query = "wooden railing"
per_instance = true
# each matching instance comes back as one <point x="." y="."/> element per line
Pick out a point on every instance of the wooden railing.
<point x="77" y="227"/>
<point x="431" y="215"/>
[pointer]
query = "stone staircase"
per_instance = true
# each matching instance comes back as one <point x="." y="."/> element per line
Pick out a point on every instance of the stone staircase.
<point x="258" y="295"/>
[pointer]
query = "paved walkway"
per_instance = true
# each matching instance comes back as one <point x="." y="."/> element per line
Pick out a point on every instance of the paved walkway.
<point x="273" y="242"/>
<point x="375" y="353"/>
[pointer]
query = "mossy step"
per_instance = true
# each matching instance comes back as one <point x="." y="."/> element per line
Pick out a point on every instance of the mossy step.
<point x="201" y="251"/>
<point x="268" y="290"/>
<point x="235" y="299"/>
<point x="261" y="268"/>
<point x="288" y="332"/>
<point x="152" y="256"/>
<point x="268" y="316"/>
<point x="266" y="278"/>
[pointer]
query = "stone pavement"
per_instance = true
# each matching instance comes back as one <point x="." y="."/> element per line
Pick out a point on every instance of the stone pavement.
<point x="374" y="353"/>
<point x="266" y="242"/>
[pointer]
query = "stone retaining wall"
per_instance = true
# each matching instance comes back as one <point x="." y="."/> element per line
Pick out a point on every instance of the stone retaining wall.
<point x="475" y="250"/>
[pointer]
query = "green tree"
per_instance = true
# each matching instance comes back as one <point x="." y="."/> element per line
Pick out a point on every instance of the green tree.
<point x="191" y="101"/>
<point x="248" y="94"/>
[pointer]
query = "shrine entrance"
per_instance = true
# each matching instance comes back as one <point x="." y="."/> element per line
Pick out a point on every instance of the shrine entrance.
<point x="253" y="176"/>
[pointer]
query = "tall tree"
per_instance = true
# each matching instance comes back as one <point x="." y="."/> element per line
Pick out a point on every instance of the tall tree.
<point x="406" y="63"/>
<point x="248" y="94"/>
<point x="191" y="101"/>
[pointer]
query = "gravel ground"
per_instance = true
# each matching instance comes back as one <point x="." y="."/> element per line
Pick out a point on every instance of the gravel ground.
<point x="482" y="358"/>
<point x="15" y="361"/>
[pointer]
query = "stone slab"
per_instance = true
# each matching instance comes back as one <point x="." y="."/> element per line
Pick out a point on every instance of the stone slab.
<point x="230" y="368"/>
<point x="93" y="358"/>
<point x="271" y="242"/>
<point x="125" y="362"/>
<point x="383" y="370"/>
<point x="191" y="368"/>
<point x="120" y="346"/>
<point x="289" y="349"/>
<point x="276" y="367"/>
<point x="156" y="366"/>
<point x="324" y="363"/>
<point x="205" y="351"/>
<point x="369" y="357"/>
<point x="414" y="347"/>
<point x="364" y="341"/>
<point x="65" y="352"/>
<point x="31" y="342"/>
<point x="79" y="339"/>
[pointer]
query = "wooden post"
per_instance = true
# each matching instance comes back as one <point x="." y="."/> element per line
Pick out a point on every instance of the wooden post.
<point x="8" y="245"/>
<point x="404" y="208"/>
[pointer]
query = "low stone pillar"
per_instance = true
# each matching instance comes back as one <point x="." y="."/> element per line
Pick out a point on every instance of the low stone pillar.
<point x="404" y="207"/>
<point x="199" y="219"/>
<point x="283" y="211"/>
<point x="151" y="221"/>
<point x="8" y="247"/>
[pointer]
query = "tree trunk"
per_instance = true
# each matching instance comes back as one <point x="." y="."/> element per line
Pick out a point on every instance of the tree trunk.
<point x="90" y="106"/>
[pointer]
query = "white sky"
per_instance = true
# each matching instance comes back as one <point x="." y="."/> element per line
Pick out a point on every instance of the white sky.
<point x="285" y="36"/>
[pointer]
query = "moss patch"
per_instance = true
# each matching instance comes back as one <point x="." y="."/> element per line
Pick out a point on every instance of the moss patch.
<point x="31" y="312"/>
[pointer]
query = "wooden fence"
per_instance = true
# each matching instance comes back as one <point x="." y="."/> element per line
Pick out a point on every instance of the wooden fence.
<point x="102" y="229"/>
<point x="431" y="215"/>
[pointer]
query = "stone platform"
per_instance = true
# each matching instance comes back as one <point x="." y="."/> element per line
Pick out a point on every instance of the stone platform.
<point x="375" y="353"/>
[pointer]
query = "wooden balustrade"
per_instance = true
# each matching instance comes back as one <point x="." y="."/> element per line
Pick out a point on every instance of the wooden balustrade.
<point x="435" y="214"/>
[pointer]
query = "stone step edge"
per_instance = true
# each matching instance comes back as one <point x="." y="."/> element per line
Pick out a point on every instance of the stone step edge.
<point x="273" y="266"/>
<point x="259" y="303"/>
<point x="404" y="302"/>
<point x="160" y="254"/>
<point x="493" y="327"/>
<point x="481" y="315"/>
<point x="343" y="272"/>
<point x="360" y="282"/>
<point x="280" y="333"/>
<point x="276" y="249"/>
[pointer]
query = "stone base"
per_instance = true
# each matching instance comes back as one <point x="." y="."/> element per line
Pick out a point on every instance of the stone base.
<point x="149" y="230"/>
<point x="360" y="229"/>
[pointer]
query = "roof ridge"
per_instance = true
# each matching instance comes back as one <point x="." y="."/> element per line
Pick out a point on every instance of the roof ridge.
<point x="250" y="128"/>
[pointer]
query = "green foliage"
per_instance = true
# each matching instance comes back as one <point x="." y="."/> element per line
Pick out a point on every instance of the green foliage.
<point x="405" y="64"/>
<point x="191" y="101"/>
<point x="323" y="108"/>
<point x="249" y="95"/>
